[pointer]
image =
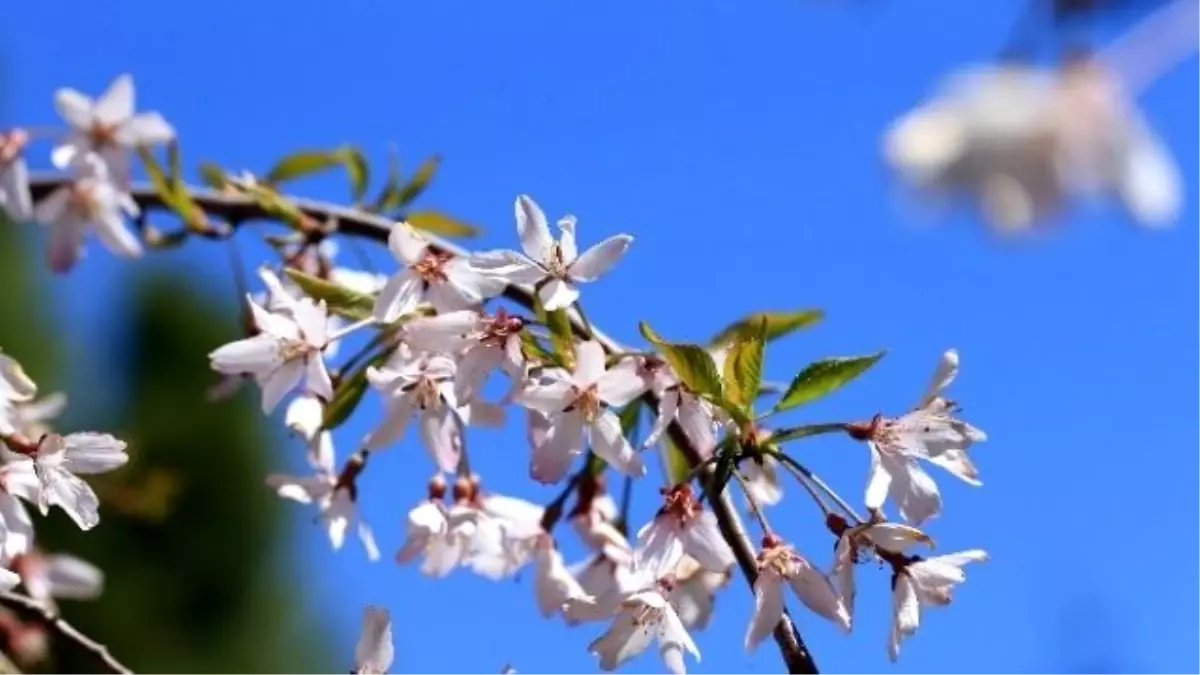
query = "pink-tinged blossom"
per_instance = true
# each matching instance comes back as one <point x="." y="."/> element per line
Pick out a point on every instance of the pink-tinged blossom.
<point x="47" y="577"/>
<point x="107" y="126"/>
<point x="780" y="564"/>
<point x="335" y="495"/>
<point x="574" y="405"/>
<point x="421" y="385"/>
<point x="681" y="527"/>
<point x="15" y="200"/>
<point x="553" y="267"/>
<point x="55" y="462"/>
<point x="285" y="352"/>
<point x="553" y="583"/>
<point x="90" y="202"/>
<point x="480" y="342"/>
<point x="374" y="651"/>
<point x="694" y="594"/>
<point x="676" y="403"/>
<point x="645" y="617"/>
<point x="932" y="433"/>
<point x="444" y="280"/>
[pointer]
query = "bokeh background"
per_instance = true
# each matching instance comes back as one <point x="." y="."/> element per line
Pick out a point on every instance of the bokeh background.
<point x="739" y="144"/>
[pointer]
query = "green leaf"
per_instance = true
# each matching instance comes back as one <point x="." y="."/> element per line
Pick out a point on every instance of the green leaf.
<point x="302" y="163"/>
<point x="675" y="465"/>
<point x="350" y="391"/>
<point x="779" y="324"/>
<point x="389" y="197"/>
<point x="212" y="175"/>
<point x="171" y="190"/>
<point x="419" y="181"/>
<point x="629" y="417"/>
<point x="533" y="349"/>
<point x="158" y="179"/>
<point x="794" y="433"/>
<point x="822" y="377"/>
<point x="561" y="337"/>
<point x="440" y="224"/>
<point x="358" y="169"/>
<point x="339" y="299"/>
<point x="744" y="365"/>
<point x="692" y="364"/>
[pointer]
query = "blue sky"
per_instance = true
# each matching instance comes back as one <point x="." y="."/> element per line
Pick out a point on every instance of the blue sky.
<point x="739" y="144"/>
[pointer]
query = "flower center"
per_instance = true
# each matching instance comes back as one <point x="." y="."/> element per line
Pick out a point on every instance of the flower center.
<point x="497" y="329"/>
<point x="430" y="267"/>
<point x="680" y="504"/>
<point x="556" y="262"/>
<point x="82" y="199"/>
<point x="11" y="145"/>
<point x="295" y="349"/>
<point x="103" y="135"/>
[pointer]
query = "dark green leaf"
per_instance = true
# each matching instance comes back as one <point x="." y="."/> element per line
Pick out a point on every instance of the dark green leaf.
<point x="793" y="433"/>
<point x="744" y="365"/>
<point x="339" y="299"/>
<point x="822" y="377"/>
<point x="419" y="181"/>
<point x="779" y="324"/>
<point x="692" y="364"/>
<point x="440" y="224"/>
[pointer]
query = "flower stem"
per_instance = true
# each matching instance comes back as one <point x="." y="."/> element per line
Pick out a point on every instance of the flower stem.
<point x="587" y="325"/>
<point x="804" y="476"/>
<point x="346" y="330"/>
<point x="755" y="507"/>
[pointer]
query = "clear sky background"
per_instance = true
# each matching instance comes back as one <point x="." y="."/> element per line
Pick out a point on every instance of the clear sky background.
<point x="739" y="143"/>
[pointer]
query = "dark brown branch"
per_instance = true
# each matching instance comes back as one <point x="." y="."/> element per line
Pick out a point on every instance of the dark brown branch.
<point x="234" y="208"/>
<point x="50" y="617"/>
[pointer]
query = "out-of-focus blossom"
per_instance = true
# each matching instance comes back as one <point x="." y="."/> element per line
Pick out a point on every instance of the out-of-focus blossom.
<point x="92" y="201"/>
<point x="681" y="527"/>
<point x="645" y="617"/>
<point x="374" y="651"/>
<point x="445" y="280"/>
<point x="14" y="176"/>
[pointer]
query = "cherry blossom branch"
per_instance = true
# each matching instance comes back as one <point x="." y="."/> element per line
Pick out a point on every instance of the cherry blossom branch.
<point x="236" y="208"/>
<point x="50" y="617"/>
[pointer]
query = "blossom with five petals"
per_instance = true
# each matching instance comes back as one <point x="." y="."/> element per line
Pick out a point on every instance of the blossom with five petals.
<point x="779" y="563"/>
<point x="444" y="279"/>
<point x="480" y="342"/>
<point x="54" y="462"/>
<point x="92" y="201"/>
<point x="644" y="617"/>
<point x="681" y="527"/>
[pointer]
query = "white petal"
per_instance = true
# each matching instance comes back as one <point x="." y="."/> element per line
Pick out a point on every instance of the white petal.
<point x="313" y="320"/>
<point x="625" y="639"/>
<point x="659" y="548"/>
<point x="600" y="258"/>
<point x="565" y="440"/>
<point x="374" y="651"/>
<point x="566" y="242"/>
<point x="320" y="453"/>
<point x="73" y="578"/>
<point x="74" y="108"/>
<point x="509" y="266"/>
<point x="549" y="399"/>
<point x="439" y="433"/>
<point x="843" y="570"/>
<point x="589" y="363"/>
<point x="8" y="579"/>
<point x="337" y="516"/>
<point x="668" y="404"/>
<point x="301" y="489"/>
<point x="913" y="490"/>
<point x="399" y="296"/>
<point x="621" y="384"/>
<point x="557" y="294"/>
<point x="66" y="243"/>
<point x="815" y="591"/>
<point x="304" y="416"/>
<point x="550" y="463"/>
<point x="148" y="128"/>
<point x="74" y="496"/>
<point x="14" y="190"/>
<point x="1150" y="182"/>
<point x="279" y="382"/>
<point x="673" y="639"/>
<point x="703" y="541"/>
<point x="399" y="411"/>
<point x="258" y="354"/>
<point x="611" y="445"/>
<point x="895" y="537"/>
<point x="906" y="613"/>
<point x="768" y="608"/>
<point x="367" y="536"/>
<point x="116" y="104"/>
<point x="15" y="385"/>
<point x="947" y="370"/>
<point x="532" y="229"/>
<point x="88" y="452"/>
<point x="406" y="244"/>
<point x="696" y="418"/>
<point x="473" y="369"/>
<point x="474" y="286"/>
<point x="879" y="481"/>
<point x="445" y="333"/>
<point x="316" y="377"/>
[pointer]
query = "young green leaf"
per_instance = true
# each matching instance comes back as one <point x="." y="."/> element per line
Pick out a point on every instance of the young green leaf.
<point x="675" y="465"/>
<point x="743" y="366"/>
<point x="793" y="433"/>
<point x="440" y="223"/>
<point x="822" y="377"/>
<point x="389" y="196"/>
<point x="357" y="168"/>
<point x="171" y="189"/>
<point x="561" y="337"/>
<point x="302" y="163"/>
<point x="419" y="181"/>
<point x="779" y="324"/>
<point x="533" y="349"/>
<point x="692" y="364"/>
<point x="212" y="175"/>
<point x="339" y="299"/>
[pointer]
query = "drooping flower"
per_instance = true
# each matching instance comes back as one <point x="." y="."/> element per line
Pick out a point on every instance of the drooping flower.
<point x="924" y="582"/>
<point x="14" y="176"/>
<point x="374" y="651"/>
<point x="779" y="563"/>
<point x="50" y="576"/>
<point x="931" y="432"/>
<point x="429" y="533"/>
<point x="16" y="388"/>
<point x="506" y="534"/>
<point x="481" y="343"/>
<point x="681" y="527"/>
<point x="92" y="201"/>
<point x="554" y="267"/>
<point x="285" y="352"/>
<point x="553" y="583"/>
<point x="856" y="544"/>
<point x="696" y="416"/>
<point x="762" y="480"/>
<point x="445" y="280"/>
<point x="335" y="495"/>
<point x="107" y="126"/>
<point x="645" y="617"/>
<point x="694" y="594"/>
<point x="574" y="405"/>
<point x="55" y="461"/>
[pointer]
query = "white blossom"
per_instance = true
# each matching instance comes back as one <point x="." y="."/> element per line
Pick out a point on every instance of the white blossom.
<point x="91" y="201"/>
<point x="676" y="403"/>
<point x="445" y="280"/>
<point x="923" y="582"/>
<point x="50" y="576"/>
<point x="55" y="463"/>
<point x="856" y="541"/>
<point x="286" y="352"/>
<point x="762" y="481"/>
<point x="107" y="126"/>
<point x="16" y="388"/>
<point x="374" y="651"/>
<point x="779" y="563"/>
<point x="16" y="527"/>
<point x="554" y="585"/>
<point x="574" y="405"/>
<point x="15" y="200"/>
<point x="481" y="344"/>
<point x="645" y="617"/>
<point x="428" y="533"/>
<point x="694" y="594"/>
<point x="681" y="527"/>
<point x="334" y="497"/>
<point x="554" y="267"/>
<point x="506" y="535"/>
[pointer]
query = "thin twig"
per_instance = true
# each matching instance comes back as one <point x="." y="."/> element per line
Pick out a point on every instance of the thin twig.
<point x="755" y="507"/>
<point x="802" y="472"/>
<point x="50" y="617"/>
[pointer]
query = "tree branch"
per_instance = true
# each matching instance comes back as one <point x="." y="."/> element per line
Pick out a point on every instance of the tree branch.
<point x="234" y="208"/>
<point x="50" y="617"/>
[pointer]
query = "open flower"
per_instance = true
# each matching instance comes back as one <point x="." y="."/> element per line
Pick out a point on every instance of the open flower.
<point x="681" y="527"/>
<point x="482" y="343"/>
<point x="856" y="544"/>
<point x="335" y="495"/>
<point x="644" y="617"/>
<point x="17" y="479"/>
<point x="14" y="176"/>
<point x="50" y="576"/>
<point x="92" y="201"/>
<point x="445" y="280"/>
<point x="107" y="126"/>
<point x="429" y="534"/>
<point x="16" y="388"/>
<point x="922" y="582"/>
<point x="374" y="651"/>
<point x="676" y="402"/>
<point x="553" y="583"/>
<point x="574" y="405"/>
<point x="930" y="432"/>
<point x="554" y="267"/>
<point x="694" y="594"/>
<point x="55" y="462"/>
<point x="286" y="351"/>
<point x="779" y="563"/>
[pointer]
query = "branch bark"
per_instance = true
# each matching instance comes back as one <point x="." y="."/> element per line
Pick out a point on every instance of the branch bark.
<point x="50" y="617"/>
<point x="234" y="208"/>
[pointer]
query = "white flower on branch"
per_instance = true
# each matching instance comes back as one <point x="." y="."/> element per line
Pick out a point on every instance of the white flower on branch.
<point x="505" y="536"/>
<point x="107" y="126"/>
<point x="779" y="563"/>
<point x="694" y="594"/>
<point x="285" y="352"/>
<point x="762" y="480"/>
<point x="645" y="617"/>
<point x="554" y="267"/>
<point x="421" y="384"/>
<point x="50" y="576"/>
<point x="15" y="199"/>
<point x="574" y="405"/>
<point x="374" y="651"/>
<point x="16" y="527"/>
<point x="924" y="582"/>
<point x="445" y="280"/>
<point x="92" y="201"/>
<point x="696" y="416"/>
<point x="16" y="388"/>
<point x="681" y="527"/>
<point x="481" y="343"/>
<point x="304" y="416"/>
<point x="335" y="495"/>
<point x="54" y="463"/>
<point x="554" y="585"/>
<point x="854" y="542"/>
<point x="931" y="432"/>
<point x="428" y="533"/>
